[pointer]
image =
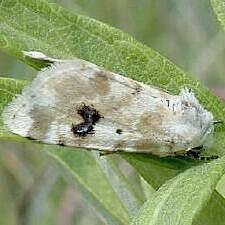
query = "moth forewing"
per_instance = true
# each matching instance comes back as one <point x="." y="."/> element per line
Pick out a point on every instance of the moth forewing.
<point x="77" y="103"/>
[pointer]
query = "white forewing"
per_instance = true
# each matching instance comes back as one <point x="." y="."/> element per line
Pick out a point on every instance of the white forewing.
<point x="134" y="117"/>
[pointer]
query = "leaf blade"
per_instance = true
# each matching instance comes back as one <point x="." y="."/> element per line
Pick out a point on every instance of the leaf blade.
<point x="90" y="180"/>
<point x="219" y="9"/>
<point x="182" y="198"/>
<point x="61" y="34"/>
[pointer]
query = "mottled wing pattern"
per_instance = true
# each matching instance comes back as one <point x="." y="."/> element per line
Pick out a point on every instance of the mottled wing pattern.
<point x="61" y="104"/>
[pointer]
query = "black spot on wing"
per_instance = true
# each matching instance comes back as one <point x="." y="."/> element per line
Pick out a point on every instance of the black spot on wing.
<point x="90" y="116"/>
<point x="119" y="131"/>
<point x="82" y="129"/>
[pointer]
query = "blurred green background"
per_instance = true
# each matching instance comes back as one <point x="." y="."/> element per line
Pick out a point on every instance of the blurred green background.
<point x="32" y="188"/>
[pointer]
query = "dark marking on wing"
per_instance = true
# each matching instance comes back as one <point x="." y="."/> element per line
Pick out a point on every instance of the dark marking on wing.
<point x="90" y="116"/>
<point x="82" y="129"/>
<point x="42" y="118"/>
<point x="101" y="82"/>
<point x="61" y="142"/>
<point x="137" y="89"/>
<point x="168" y="102"/>
<point x="119" y="131"/>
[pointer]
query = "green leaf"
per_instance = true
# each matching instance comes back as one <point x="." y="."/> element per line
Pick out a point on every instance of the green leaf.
<point x="181" y="199"/>
<point x="213" y="213"/>
<point x="219" y="9"/>
<point x="157" y="171"/>
<point x="9" y="88"/>
<point x="100" y="182"/>
<point x="42" y="26"/>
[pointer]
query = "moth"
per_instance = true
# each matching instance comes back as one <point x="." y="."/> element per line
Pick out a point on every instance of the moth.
<point x="77" y="103"/>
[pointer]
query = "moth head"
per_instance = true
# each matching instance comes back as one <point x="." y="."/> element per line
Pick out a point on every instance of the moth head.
<point x="199" y="119"/>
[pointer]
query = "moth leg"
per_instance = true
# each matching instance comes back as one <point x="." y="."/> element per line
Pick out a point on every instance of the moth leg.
<point x="218" y="122"/>
<point x="195" y="153"/>
<point x="40" y="56"/>
<point x="198" y="149"/>
<point x="208" y="158"/>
